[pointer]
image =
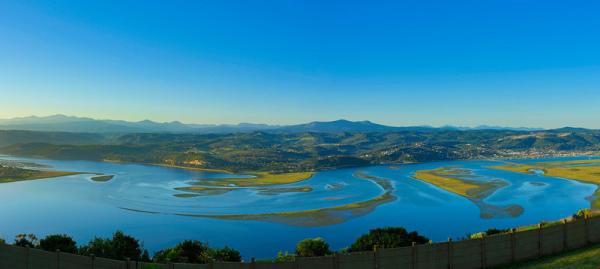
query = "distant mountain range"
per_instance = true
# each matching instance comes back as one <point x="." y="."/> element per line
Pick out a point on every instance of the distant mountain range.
<point x="62" y="123"/>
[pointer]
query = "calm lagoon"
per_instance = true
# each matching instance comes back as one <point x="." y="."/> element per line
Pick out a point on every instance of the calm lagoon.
<point x="141" y="200"/>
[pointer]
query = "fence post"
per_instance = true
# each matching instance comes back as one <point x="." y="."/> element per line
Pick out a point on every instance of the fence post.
<point x="512" y="245"/>
<point x="540" y="242"/>
<point x="57" y="259"/>
<point x="414" y="255"/>
<point x="92" y="258"/>
<point x="450" y="262"/>
<point x="587" y="230"/>
<point x="565" y="245"/>
<point x="336" y="261"/>
<point x="375" y="257"/>
<point x="252" y="263"/>
<point x="27" y="258"/>
<point x="483" y="256"/>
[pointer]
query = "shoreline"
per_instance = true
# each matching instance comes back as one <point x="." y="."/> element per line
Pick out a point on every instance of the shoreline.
<point x="522" y="156"/>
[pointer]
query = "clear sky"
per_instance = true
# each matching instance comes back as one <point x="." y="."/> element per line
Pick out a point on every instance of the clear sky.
<point x="504" y="62"/>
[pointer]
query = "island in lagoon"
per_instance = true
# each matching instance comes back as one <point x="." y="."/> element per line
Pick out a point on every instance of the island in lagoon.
<point x="321" y="216"/>
<point x="11" y="171"/>
<point x="586" y="171"/>
<point x="465" y="183"/>
<point x="13" y="174"/>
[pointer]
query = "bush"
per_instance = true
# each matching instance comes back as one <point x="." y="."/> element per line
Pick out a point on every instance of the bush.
<point x="26" y="240"/>
<point x="312" y="247"/>
<point x="225" y="254"/>
<point x="119" y="247"/>
<point x="61" y="242"/>
<point x="582" y="214"/>
<point x="193" y="251"/>
<point x="494" y="231"/>
<point x="189" y="251"/>
<point x="390" y="237"/>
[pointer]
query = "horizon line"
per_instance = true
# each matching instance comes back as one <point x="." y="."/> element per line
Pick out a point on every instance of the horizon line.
<point x="289" y="124"/>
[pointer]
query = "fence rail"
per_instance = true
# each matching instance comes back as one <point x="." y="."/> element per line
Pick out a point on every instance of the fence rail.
<point x="485" y="252"/>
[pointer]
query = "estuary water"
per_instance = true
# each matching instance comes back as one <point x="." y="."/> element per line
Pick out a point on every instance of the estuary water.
<point x="143" y="201"/>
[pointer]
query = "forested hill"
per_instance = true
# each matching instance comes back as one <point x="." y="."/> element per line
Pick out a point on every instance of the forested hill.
<point x="279" y="152"/>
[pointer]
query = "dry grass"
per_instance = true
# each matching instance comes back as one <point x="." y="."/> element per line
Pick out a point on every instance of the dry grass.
<point x="448" y="179"/>
<point x="261" y="179"/>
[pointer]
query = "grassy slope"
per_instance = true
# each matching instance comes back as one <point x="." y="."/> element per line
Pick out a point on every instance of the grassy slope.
<point x="586" y="258"/>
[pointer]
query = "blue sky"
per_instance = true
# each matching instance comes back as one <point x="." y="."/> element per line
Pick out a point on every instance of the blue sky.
<point x="513" y="63"/>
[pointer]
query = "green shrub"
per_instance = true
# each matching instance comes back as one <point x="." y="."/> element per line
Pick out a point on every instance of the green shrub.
<point x="193" y="251"/>
<point x="189" y="251"/>
<point x="390" y="237"/>
<point x="312" y="247"/>
<point x="26" y="240"/>
<point x="582" y="214"/>
<point x="60" y="242"/>
<point x="225" y="254"/>
<point x="119" y="247"/>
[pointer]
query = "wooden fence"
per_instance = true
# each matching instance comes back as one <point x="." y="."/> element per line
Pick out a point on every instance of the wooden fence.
<point x="485" y="252"/>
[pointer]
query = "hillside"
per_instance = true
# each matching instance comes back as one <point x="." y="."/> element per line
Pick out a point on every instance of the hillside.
<point x="287" y="152"/>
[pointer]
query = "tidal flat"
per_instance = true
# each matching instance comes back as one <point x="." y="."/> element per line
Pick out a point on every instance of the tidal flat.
<point x="258" y="180"/>
<point x="465" y="183"/>
<point x="322" y="216"/>
<point x="587" y="171"/>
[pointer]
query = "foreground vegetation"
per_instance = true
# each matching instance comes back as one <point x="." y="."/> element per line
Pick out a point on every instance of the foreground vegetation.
<point x="14" y="174"/>
<point x="121" y="247"/>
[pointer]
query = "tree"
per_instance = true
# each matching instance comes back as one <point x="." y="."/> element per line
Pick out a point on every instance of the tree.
<point x="100" y="247"/>
<point x="189" y="251"/>
<point x="119" y="247"/>
<point x="493" y="231"/>
<point x="26" y="240"/>
<point x="582" y="214"/>
<point x="225" y="254"/>
<point x="390" y="237"/>
<point x="126" y="246"/>
<point x="145" y="256"/>
<point x="61" y="242"/>
<point x="312" y="247"/>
